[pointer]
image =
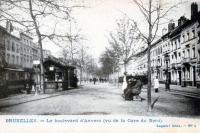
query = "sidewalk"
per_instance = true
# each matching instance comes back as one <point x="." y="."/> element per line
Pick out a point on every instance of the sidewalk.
<point x="25" y="98"/>
<point x="191" y="89"/>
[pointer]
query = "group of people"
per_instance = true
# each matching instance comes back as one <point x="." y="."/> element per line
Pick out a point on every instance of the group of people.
<point x="132" y="87"/>
<point x="101" y="80"/>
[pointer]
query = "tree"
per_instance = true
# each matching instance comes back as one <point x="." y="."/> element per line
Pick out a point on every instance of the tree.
<point x="123" y="41"/>
<point x="153" y="11"/>
<point x="109" y="62"/>
<point x="32" y="16"/>
<point x="82" y="60"/>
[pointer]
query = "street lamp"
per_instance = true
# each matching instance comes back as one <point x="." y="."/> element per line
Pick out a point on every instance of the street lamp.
<point x="167" y="86"/>
<point x="68" y="78"/>
<point x="36" y="68"/>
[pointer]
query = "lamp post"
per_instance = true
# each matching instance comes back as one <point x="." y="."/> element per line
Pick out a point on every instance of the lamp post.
<point x="68" y="78"/>
<point x="36" y="65"/>
<point x="167" y="86"/>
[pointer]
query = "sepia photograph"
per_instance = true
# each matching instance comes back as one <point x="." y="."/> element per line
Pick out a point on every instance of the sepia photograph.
<point x="100" y="58"/>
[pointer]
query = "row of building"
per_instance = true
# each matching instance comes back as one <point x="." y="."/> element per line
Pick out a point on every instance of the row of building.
<point x="176" y="53"/>
<point x="19" y="65"/>
<point x="17" y="55"/>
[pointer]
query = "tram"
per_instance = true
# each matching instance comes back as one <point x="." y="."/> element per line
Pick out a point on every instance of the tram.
<point x="15" y="80"/>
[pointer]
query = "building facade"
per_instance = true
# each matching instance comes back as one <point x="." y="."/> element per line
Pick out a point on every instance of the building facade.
<point x="18" y="53"/>
<point x="181" y="45"/>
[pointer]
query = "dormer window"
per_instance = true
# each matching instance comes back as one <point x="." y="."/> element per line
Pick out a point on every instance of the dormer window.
<point x="193" y="33"/>
<point x="188" y="35"/>
<point x="183" y="38"/>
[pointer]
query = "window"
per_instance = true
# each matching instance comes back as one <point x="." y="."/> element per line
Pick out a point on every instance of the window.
<point x="188" y="36"/>
<point x="17" y="48"/>
<point x="188" y="73"/>
<point x="31" y="59"/>
<point x="13" y="59"/>
<point x="178" y="43"/>
<point x="188" y="52"/>
<point x="175" y="45"/>
<point x="17" y="60"/>
<point x="8" y="45"/>
<point x="21" y="50"/>
<point x="183" y="38"/>
<point x="13" y="46"/>
<point x="184" y="54"/>
<point x="8" y="58"/>
<point x="193" y="52"/>
<point x="21" y="61"/>
<point x="27" y="59"/>
<point x="172" y="46"/>
<point x="193" y="33"/>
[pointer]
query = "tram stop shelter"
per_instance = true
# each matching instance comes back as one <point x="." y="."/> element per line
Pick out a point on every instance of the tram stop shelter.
<point x="58" y="75"/>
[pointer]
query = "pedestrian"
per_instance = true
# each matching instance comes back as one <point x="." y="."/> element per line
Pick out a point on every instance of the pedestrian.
<point x="156" y="84"/>
<point x="94" y="80"/>
<point x="124" y="84"/>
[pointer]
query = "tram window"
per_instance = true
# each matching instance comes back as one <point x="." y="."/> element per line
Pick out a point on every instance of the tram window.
<point x="12" y="76"/>
<point x="21" y="75"/>
<point x="7" y="75"/>
<point x="17" y="75"/>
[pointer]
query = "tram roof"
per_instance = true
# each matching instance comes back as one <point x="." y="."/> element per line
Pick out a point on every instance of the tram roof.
<point x="58" y="62"/>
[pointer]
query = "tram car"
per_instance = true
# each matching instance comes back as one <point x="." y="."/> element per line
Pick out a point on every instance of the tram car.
<point x="15" y="81"/>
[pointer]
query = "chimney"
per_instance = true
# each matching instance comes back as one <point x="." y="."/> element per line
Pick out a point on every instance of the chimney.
<point x="171" y="25"/>
<point x="9" y="26"/>
<point x="182" y="20"/>
<point x="194" y="10"/>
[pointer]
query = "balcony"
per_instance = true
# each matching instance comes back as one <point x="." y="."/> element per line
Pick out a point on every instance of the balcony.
<point x="185" y="61"/>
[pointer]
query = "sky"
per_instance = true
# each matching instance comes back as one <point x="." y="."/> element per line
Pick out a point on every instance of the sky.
<point x="99" y="18"/>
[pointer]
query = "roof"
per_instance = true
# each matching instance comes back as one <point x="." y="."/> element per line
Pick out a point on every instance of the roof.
<point x="57" y="62"/>
<point x="26" y="35"/>
<point x="180" y="28"/>
<point x="173" y="33"/>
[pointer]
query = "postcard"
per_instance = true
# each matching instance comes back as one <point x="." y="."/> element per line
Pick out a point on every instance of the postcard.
<point x="95" y="66"/>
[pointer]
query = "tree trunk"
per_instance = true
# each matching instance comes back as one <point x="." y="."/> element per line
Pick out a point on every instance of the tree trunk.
<point x="125" y="70"/>
<point x="81" y="75"/>
<point x="149" y="78"/>
<point x="149" y="59"/>
<point x="40" y="46"/>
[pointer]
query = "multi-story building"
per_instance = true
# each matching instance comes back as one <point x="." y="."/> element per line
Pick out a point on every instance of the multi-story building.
<point x="18" y="53"/>
<point x="2" y="48"/>
<point x="181" y="45"/>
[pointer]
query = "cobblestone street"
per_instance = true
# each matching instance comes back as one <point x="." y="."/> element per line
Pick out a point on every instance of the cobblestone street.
<point x="101" y="98"/>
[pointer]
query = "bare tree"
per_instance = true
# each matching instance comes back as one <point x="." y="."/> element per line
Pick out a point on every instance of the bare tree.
<point x="123" y="41"/>
<point x="82" y="60"/>
<point x="33" y="15"/>
<point x="153" y="11"/>
<point x="109" y="62"/>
